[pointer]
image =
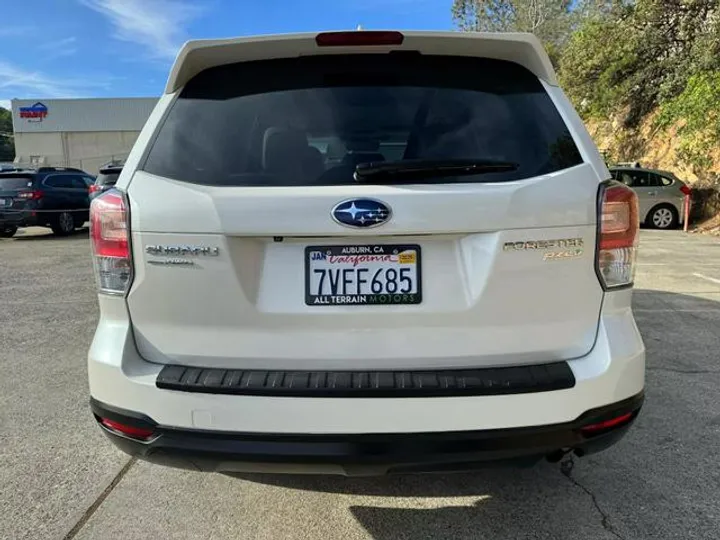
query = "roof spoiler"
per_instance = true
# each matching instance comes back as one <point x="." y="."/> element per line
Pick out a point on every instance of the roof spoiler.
<point x="199" y="55"/>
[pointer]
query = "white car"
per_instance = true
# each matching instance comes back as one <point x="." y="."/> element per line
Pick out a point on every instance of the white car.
<point x="364" y="253"/>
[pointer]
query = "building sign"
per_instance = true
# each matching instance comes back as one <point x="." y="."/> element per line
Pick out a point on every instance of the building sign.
<point x="34" y="113"/>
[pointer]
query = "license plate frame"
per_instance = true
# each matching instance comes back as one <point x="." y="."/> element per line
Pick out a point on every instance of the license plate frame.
<point x="386" y="299"/>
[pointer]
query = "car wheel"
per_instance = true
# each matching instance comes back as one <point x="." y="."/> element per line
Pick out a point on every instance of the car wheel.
<point x="64" y="224"/>
<point x="663" y="217"/>
<point x="8" y="232"/>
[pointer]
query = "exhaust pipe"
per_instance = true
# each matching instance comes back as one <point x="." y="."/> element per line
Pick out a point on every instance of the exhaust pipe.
<point x="556" y="456"/>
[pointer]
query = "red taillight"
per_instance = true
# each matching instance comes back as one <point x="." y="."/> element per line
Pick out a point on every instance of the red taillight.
<point x="618" y="235"/>
<point x="130" y="431"/>
<point x="110" y="239"/>
<point x="30" y="195"/>
<point x="685" y="190"/>
<point x="592" y="429"/>
<point x="93" y="188"/>
<point x="108" y="226"/>
<point x="359" y="39"/>
<point x="619" y="220"/>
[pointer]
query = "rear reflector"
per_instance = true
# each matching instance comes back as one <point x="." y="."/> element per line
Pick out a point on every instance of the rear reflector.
<point x="109" y="235"/>
<point x="358" y="39"/>
<point x="592" y="429"/>
<point x="129" y="431"/>
<point x="618" y="235"/>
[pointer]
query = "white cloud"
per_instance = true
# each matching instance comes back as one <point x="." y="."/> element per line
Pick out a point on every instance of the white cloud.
<point x="35" y="82"/>
<point x="157" y="25"/>
<point x="60" y="53"/>
<point x="21" y="82"/>
<point x="5" y="104"/>
<point x="16" y="31"/>
<point x="57" y="44"/>
<point x="59" y="48"/>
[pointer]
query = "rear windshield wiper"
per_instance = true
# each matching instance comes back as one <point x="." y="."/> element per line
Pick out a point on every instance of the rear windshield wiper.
<point x="417" y="169"/>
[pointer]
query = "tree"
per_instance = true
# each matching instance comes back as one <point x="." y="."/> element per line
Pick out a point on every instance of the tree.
<point x="638" y="55"/>
<point x="627" y="60"/>
<point x="597" y="64"/>
<point x="550" y="20"/>
<point x="7" y="145"/>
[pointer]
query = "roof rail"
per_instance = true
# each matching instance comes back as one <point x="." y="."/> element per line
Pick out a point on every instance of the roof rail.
<point x="18" y="169"/>
<point x="56" y="169"/>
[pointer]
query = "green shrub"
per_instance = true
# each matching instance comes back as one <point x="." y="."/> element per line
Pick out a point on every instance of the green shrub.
<point x="696" y="113"/>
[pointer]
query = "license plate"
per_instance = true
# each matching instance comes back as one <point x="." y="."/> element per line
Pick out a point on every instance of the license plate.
<point x="367" y="274"/>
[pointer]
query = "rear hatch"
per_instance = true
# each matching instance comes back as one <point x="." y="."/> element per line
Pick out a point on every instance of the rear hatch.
<point x="266" y="233"/>
<point x="107" y="177"/>
<point x="15" y="191"/>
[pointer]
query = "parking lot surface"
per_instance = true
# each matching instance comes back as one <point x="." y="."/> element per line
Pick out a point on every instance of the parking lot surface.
<point x="61" y="479"/>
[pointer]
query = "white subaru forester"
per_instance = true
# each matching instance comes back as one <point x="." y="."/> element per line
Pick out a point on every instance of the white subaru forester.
<point x="364" y="253"/>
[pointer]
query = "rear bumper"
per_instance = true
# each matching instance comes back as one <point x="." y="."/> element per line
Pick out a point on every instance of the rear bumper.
<point x="612" y="371"/>
<point x="23" y="218"/>
<point x="363" y="454"/>
<point x="226" y="431"/>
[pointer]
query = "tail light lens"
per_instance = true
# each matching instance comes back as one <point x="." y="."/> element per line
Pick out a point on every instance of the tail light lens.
<point x="618" y="235"/>
<point x="93" y="188"/>
<point x="110" y="237"/>
<point x="30" y="195"/>
<point x="685" y="190"/>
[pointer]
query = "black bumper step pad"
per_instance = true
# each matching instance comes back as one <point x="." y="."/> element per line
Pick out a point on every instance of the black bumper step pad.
<point x="392" y="384"/>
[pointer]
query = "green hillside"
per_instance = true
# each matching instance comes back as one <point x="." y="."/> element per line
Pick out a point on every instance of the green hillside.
<point x="646" y="69"/>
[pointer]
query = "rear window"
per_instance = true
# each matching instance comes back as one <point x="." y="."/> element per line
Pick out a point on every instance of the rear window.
<point x="311" y="121"/>
<point x="15" y="182"/>
<point x="107" y="178"/>
<point x="64" y="181"/>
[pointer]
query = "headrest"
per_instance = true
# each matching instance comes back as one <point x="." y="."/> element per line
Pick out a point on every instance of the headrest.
<point x="282" y="144"/>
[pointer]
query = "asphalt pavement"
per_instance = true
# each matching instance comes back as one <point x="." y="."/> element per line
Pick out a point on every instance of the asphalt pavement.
<point x="60" y="478"/>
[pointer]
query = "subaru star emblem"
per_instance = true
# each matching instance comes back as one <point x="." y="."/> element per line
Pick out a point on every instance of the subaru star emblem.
<point x="361" y="213"/>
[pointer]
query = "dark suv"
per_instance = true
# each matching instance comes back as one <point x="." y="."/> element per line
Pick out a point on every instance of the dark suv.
<point x="55" y="197"/>
<point x="106" y="178"/>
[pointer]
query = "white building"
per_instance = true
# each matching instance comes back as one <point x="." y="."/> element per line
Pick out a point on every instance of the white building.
<point x="82" y="133"/>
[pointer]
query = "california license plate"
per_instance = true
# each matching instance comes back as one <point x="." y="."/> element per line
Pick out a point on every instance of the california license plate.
<point x="367" y="274"/>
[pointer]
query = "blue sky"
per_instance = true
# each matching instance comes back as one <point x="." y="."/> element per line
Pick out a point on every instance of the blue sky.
<point x="124" y="48"/>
